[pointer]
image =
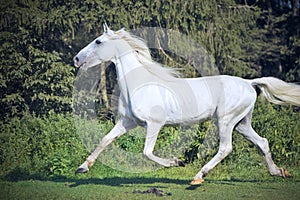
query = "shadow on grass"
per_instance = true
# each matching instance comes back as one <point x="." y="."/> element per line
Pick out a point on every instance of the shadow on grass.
<point x="20" y="174"/>
<point x="121" y="181"/>
<point x="23" y="175"/>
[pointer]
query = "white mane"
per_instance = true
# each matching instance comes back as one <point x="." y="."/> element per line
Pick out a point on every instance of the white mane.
<point x="144" y="56"/>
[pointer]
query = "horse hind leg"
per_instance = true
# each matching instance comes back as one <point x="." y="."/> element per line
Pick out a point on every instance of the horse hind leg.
<point x="244" y="127"/>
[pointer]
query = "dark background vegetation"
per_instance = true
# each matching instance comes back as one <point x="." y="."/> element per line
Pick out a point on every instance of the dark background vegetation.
<point x="38" y="39"/>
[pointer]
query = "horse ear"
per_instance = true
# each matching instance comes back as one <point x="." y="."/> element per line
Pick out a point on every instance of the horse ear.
<point x="105" y="27"/>
<point x="121" y="30"/>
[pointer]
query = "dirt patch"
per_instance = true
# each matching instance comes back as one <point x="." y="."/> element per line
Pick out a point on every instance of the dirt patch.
<point x="154" y="190"/>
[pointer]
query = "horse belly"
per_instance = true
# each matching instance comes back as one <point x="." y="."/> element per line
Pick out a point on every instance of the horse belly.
<point x="169" y="104"/>
<point x="200" y="104"/>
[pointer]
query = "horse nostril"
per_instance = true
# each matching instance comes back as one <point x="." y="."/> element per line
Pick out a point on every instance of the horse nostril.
<point x="76" y="59"/>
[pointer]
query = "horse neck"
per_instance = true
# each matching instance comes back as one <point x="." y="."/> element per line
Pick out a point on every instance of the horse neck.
<point x="126" y="62"/>
<point x="131" y="73"/>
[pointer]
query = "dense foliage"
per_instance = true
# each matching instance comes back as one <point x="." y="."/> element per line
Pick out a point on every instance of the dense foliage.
<point x="57" y="144"/>
<point x="38" y="40"/>
<point x="40" y="145"/>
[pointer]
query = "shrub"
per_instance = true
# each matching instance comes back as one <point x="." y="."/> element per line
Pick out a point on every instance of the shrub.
<point x="57" y="144"/>
<point x="40" y="145"/>
<point x="281" y="126"/>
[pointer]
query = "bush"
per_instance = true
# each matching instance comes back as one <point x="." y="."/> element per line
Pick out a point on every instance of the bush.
<point x="281" y="126"/>
<point x="57" y="144"/>
<point x="40" y="145"/>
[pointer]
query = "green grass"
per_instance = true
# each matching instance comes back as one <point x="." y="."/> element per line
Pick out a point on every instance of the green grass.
<point x="105" y="183"/>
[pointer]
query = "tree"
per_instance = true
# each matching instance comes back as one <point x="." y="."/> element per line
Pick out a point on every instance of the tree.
<point x="39" y="39"/>
<point x="34" y="76"/>
<point x="279" y="26"/>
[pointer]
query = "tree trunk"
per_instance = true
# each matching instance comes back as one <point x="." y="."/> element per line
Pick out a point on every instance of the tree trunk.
<point x="269" y="4"/>
<point x="295" y="6"/>
<point x="103" y="91"/>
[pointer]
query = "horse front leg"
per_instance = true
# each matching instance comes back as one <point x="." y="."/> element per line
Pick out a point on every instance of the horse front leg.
<point x="151" y="137"/>
<point x="122" y="126"/>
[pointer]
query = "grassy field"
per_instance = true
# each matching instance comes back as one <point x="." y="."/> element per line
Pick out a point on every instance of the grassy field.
<point x="105" y="183"/>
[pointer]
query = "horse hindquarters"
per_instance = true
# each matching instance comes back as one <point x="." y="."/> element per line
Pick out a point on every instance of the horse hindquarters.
<point x="235" y="101"/>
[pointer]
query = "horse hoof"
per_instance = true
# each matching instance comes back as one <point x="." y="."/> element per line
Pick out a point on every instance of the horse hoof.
<point x="179" y="163"/>
<point x="197" y="182"/>
<point x="81" y="170"/>
<point x="285" y="173"/>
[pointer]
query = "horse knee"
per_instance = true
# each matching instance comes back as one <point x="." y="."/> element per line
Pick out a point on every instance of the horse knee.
<point x="224" y="151"/>
<point x="147" y="154"/>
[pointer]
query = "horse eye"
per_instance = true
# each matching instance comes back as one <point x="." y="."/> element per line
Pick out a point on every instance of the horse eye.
<point x="98" y="42"/>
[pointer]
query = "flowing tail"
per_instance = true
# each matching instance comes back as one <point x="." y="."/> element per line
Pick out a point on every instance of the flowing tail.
<point x="278" y="91"/>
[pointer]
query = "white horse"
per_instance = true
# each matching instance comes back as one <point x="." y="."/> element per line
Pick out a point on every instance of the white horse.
<point x="153" y="96"/>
